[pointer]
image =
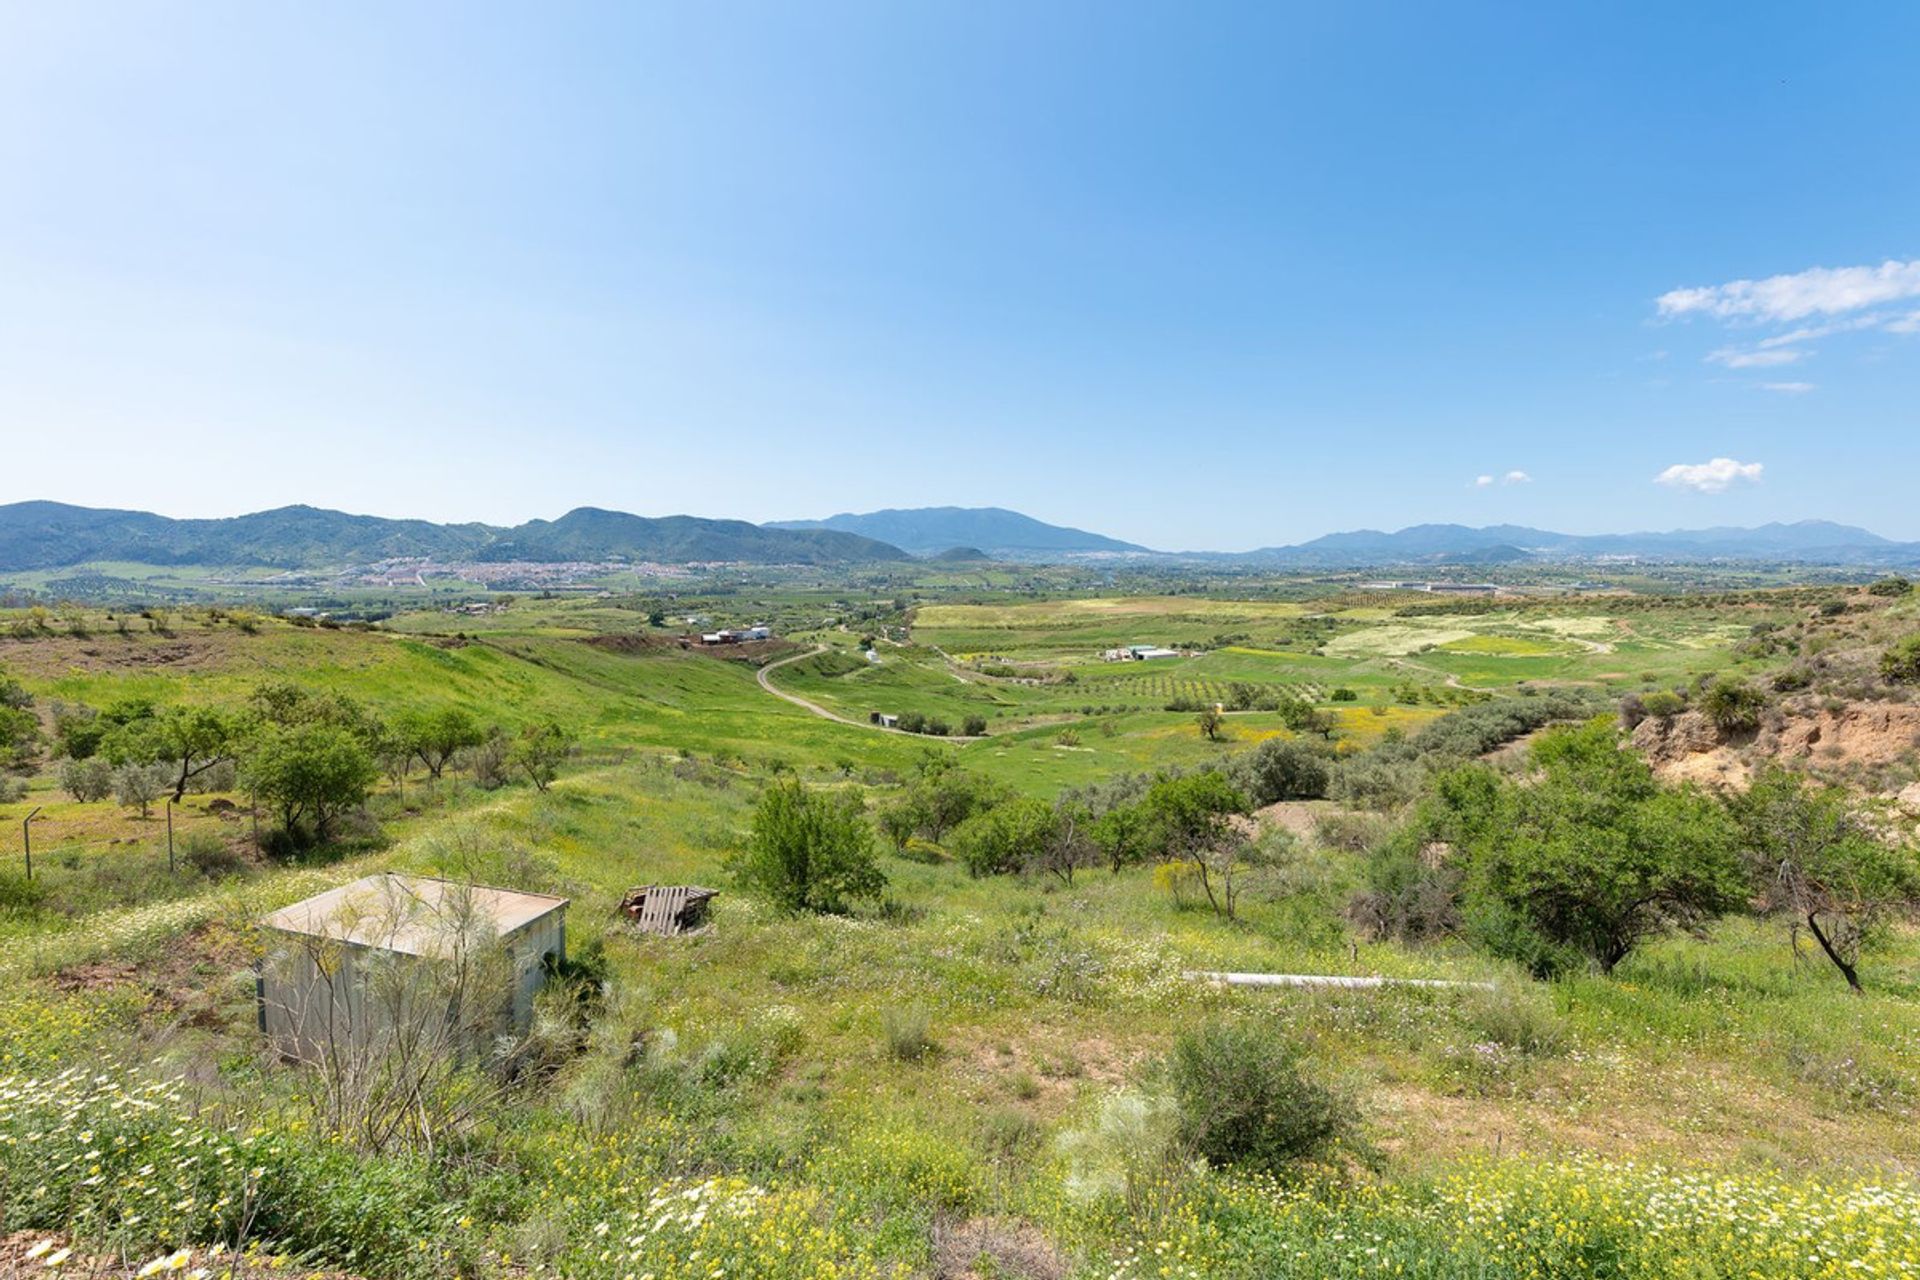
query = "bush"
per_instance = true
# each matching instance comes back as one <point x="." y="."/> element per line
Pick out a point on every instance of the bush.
<point x="19" y="895"/>
<point x="1005" y="838"/>
<point x="1663" y="704"/>
<point x="1410" y="892"/>
<point x="809" y="850"/>
<point x="223" y="775"/>
<point x="488" y="761"/>
<point x="1517" y="1016"/>
<point x="975" y="726"/>
<point x="1131" y="1152"/>
<point x="139" y="785"/>
<point x="905" y="1034"/>
<point x="1733" y="705"/>
<point x="211" y="856"/>
<point x="1792" y="679"/>
<point x="1901" y="661"/>
<point x="12" y="790"/>
<point x="1281" y="769"/>
<point x="1241" y="1098"/>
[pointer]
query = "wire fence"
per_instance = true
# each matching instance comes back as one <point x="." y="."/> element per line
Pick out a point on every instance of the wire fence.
<point x="40" y="843"/>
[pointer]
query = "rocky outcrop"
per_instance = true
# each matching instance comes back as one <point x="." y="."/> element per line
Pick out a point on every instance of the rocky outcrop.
<point x="1687" y="747"/>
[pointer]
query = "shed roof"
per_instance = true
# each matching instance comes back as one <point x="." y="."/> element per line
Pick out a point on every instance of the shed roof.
<point x="409" y="914"/>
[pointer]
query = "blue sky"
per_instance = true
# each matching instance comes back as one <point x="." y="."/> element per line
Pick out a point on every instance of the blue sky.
<point x="1209" y="276"/>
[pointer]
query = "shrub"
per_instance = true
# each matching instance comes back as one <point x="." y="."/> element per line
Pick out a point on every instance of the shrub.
<point x="906" y="1034"/>
<point x="1280" y="769"/>
<point x="208" y="854"/>
<point x="1409" y="891"/>
<point x="1590" y="859"/>
<point x="489" y="761"/>
<point x="1791" y="679"/>
<point x="222" y="775"/>
<point x="975" y="726"/>
<point x="1242" y="1098"/>
<point x="1130" y="1152"/>
<point x="1901" y="661"/>
<point x="1663" y="704"/>
<point x="1733" y="705"/>
<point x="809" y="850"/>
<point x="19" y="895"/>
<point x="1517" y="1016"/>
<point x="1006" y="837"/>
<point x="139" y="785"/>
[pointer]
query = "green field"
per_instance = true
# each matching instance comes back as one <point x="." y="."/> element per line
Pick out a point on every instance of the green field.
<point x="754" y="1074"/>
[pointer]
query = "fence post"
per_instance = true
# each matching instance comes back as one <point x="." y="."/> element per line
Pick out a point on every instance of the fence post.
<point x="26" y="837"/>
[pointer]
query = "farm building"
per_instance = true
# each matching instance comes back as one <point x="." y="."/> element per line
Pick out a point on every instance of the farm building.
<point x="1139" y="653"/>
<point x="350" y="964"/>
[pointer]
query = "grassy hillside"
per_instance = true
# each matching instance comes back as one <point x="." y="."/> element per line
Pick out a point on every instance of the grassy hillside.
<point x="940" y="1083"/>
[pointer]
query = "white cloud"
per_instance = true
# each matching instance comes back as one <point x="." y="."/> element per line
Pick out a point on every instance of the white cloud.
<point x="1823" y="331"/>
<point x="1782" y="299"/>
<point x="1716" y="476"/>
<point x="1511" y="477"/>
<point x="1735" y="358"/>
<point x="1788" y="388"/>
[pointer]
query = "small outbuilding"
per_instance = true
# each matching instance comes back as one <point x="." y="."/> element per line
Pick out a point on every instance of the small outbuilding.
<point x="341" y="967"/>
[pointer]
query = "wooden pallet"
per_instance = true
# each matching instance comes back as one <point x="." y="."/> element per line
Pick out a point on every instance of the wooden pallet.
<point x="670" y="910"/>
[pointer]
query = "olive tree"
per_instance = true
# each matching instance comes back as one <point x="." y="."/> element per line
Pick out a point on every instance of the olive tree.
<point x="1589" y="857"/>
<point x="540" y="751"/>
<point x="809" y="850"/>
<point x="309" y="774"/>
<point x="1818" y="864"/>
<point x="436" y="737"/>
<point x="1190" y="820"/>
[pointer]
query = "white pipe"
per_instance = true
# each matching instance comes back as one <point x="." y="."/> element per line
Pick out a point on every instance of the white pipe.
<point x="1326" y="980"/>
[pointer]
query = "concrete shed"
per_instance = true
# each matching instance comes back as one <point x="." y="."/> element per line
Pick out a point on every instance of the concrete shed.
<point x="353" y="963"/>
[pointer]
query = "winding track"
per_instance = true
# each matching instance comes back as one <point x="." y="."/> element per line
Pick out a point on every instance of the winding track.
<point x="818" y="710"/>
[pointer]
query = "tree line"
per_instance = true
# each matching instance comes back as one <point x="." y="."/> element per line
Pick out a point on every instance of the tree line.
<point x="309" y="757"/>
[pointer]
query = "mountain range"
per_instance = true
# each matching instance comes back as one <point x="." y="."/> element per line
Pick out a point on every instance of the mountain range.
<point x="927" y="531"/>
<point x="51" y="535"/>
<point x="1805" y="541"/>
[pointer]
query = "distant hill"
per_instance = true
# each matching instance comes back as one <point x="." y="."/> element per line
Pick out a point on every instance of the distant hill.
<point x="52" y="535"/>
<point x="1805" y="541"/>
<point x="926" y="531"/>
